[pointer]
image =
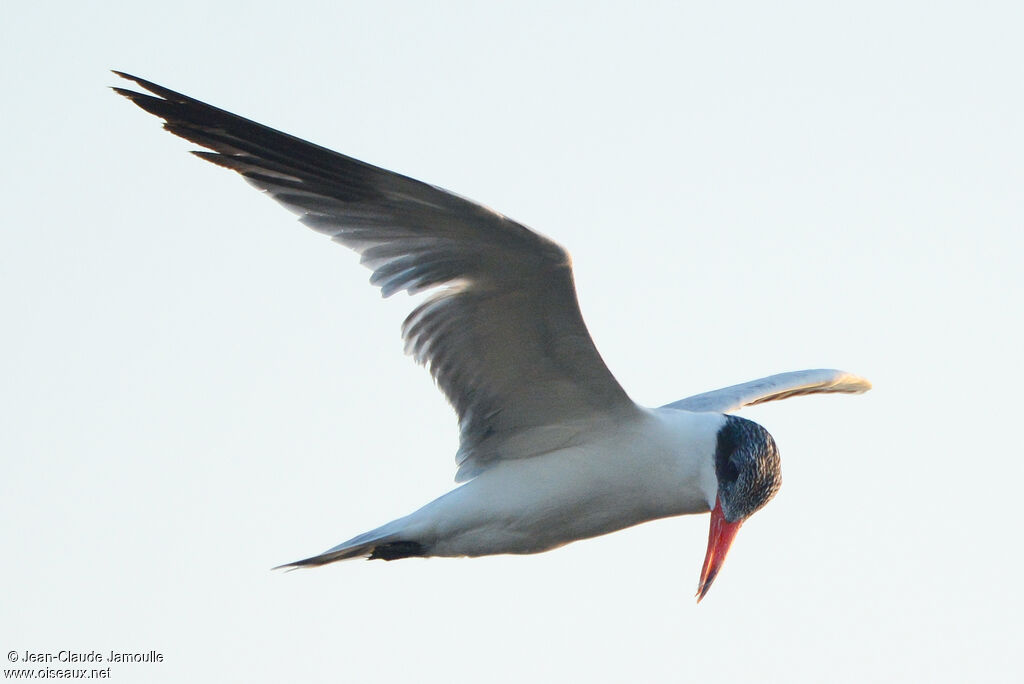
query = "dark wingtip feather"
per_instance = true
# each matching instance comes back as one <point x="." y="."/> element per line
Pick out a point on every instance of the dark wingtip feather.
<point x="124" y="92"/>
<point x="134" y="79"/>
<point x="165" y="93"/>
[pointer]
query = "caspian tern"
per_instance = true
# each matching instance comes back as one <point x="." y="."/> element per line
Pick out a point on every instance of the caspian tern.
<point x="551" y="449"/>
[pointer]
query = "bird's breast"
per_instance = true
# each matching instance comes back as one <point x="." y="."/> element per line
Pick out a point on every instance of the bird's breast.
<point x="539" y="503"/>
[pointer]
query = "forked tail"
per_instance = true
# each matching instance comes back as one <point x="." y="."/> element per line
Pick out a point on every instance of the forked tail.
<point x="383" y="543"/>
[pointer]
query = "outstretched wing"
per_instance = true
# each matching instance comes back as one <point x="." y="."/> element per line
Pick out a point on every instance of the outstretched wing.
<point x="502" y="333"/>
<point x="781" y="386"/>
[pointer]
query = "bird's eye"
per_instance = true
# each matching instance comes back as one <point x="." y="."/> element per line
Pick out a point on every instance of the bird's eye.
<point x="728" y="471"/>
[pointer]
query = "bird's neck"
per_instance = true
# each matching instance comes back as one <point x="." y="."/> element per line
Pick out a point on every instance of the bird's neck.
<point x="691" y="439"/>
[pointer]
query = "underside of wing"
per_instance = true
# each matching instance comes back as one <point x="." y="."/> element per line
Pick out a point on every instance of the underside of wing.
<point x="501" y="333"/>
<point x="780" y="386"/>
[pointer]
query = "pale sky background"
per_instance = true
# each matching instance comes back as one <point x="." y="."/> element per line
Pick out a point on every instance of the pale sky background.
<point x="196" y="388"/>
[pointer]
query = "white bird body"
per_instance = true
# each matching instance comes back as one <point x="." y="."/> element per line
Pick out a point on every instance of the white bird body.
<point x="654" y="463"/>
<point x="552" y="449"/>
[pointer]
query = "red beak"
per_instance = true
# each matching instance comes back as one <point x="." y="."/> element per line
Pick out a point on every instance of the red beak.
<point x="720" y="538"/>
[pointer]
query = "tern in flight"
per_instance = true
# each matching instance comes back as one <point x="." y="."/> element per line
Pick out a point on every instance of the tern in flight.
<point x="551" y="449"/>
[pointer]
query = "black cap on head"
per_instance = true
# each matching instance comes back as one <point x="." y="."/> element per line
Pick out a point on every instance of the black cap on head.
<point x="748" y="468"/>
